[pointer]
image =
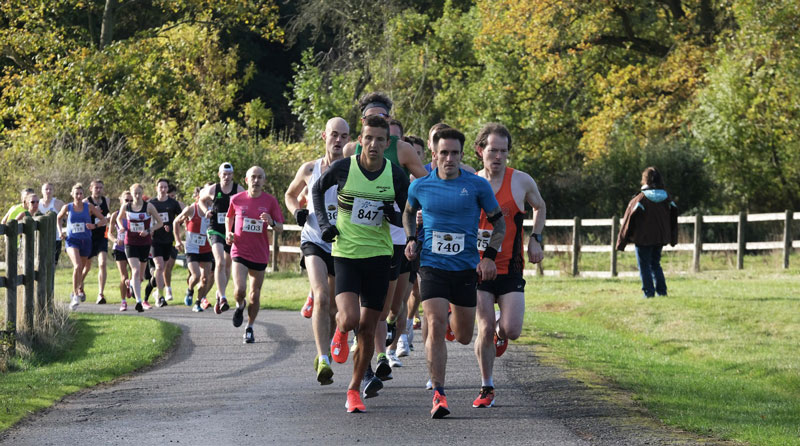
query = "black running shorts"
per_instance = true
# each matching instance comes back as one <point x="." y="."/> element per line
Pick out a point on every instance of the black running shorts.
<point x="458" y="287"/>
<point x="503" y="284"/>
<point x="312" y="249"/>
<point x="368" y="278"/>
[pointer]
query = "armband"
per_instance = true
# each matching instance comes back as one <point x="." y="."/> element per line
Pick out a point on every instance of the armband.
<point x="490" y="253"/>
<point x="495" y="217"/>
<point x="537" y="237"/>
<point x="411" y="238"/>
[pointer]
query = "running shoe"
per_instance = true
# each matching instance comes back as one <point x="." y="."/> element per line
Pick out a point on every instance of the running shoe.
<point x="391" y="332"/>
<point x="393" y="361"/>
<point x="372" y="384"/>
<point x="169" y="296"/>
<point x="402" y="346"/>
<point x="354" y="403"/>
<point x="146" y="305"/>
<point x="74" y="301"/>
<point x="324" y="372"/>
<point x="162" y="302"/>
<point x="188" y="299"/>
<point x="238" y="316"/>
<point x="429" y="385"/>
<point x="197" y="308"/>
<point x="249" y="338"/>
<point x="82" y="295"/>
<point x="500" y="345"/>
<point x="449" y="334"/>
<point x="485" y="398"/>
<point x="223" y="305"/>
<point x="101" y="300"/>
<point x="417" y="323"/>
<point x="217" y="308"/>
<point x="384" y="370"/>
<point x="308" y="307"/>
<point x="123" y="306"/>
<point x="440" y="409"/>
<point x="204" y="303"/>
<point x="339" y="348"/>
<point x="140" y="307"/>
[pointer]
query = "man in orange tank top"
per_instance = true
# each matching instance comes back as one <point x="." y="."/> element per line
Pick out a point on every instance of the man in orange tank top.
<point x="512" y="188"/>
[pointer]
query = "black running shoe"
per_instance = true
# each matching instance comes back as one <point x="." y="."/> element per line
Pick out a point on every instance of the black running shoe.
<point x="139" y="307"/>
<point x="162" y="302"/>
<point x="391" y="332"/>
<point x="248" y="336"/>
<point x="384" y="370"/>
<point x="372" y="384"/>
<point x="238" y="316"/>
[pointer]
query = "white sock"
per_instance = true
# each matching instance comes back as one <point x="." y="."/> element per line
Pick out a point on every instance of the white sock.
<point x="237" y="305"/>
<point x="324" y="358"/>
<point x="487" y="382"/>
<point x="250" y="326"/>
<point x="169" y="291"/>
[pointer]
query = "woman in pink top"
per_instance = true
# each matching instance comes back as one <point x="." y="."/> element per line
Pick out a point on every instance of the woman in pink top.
<point x="249" y="214"/>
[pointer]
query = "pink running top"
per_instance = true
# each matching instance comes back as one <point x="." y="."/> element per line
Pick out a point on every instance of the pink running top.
<point x="251" y="237"/>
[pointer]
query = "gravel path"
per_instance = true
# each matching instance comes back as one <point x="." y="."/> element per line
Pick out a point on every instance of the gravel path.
<point x="212" y="389"/>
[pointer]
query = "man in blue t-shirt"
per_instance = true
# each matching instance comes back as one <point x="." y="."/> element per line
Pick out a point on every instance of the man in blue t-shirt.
<point x="451" y="201"/>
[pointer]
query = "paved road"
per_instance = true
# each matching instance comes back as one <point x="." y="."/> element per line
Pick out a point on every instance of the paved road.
<point x="212" y="389"/>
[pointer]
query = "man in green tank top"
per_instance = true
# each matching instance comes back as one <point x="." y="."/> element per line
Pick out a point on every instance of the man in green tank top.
<point x="368" y="187"/>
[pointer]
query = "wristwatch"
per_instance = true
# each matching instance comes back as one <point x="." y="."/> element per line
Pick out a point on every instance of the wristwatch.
<point x="411" y="238"/>
<point x="537" y="237"/>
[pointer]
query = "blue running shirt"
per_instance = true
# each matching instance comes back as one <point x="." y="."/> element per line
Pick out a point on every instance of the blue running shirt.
<point x="451" y="210"/>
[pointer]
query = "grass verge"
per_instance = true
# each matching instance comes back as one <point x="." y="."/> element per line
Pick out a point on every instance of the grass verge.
<point x="103" y="348"/>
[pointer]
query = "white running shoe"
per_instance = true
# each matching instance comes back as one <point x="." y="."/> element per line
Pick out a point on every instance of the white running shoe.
<point x="429" y="385"/>
<point x="402" y="346"/>
<point x="393" y="361"/>
<point x="75" y="300"/>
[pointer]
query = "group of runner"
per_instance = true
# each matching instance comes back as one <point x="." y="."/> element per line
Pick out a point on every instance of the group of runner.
<point x="376" y="219"/>
<point x="381" y="233"/>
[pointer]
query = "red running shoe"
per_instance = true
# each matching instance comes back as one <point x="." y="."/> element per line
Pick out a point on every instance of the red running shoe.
<point x="440" y="409"/>
<point x="339" y="348"/>
<point x="354" y="403"/>
<point x="449" y="334"/>
<point x="500" y="345"/>
<point x="485" y="398"/>
<point x="308" y="307"/>
<point x="204" y="303"/>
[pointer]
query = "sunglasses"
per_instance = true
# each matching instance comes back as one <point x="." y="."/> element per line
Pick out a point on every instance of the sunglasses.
<point x="381" y="115"/>
<point x="128" y="201"/>
<point x="34" y="201"/>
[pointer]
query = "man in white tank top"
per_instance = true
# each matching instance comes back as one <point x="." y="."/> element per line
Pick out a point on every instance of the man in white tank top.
<point x="49" y="203"/>
<point x="316" y="252"/>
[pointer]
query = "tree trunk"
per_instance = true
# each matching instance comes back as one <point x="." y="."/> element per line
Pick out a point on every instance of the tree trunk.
<point x="107" y="30"/>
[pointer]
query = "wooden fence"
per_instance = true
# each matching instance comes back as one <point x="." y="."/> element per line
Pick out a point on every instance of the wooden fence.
<point x="575" y="248"/>
<point x="37" y="278"/>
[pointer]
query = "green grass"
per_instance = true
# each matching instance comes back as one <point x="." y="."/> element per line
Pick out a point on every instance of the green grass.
<point x="103" y="348"/>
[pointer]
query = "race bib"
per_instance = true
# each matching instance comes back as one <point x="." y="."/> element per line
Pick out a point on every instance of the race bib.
<point x="332" y="212"/>
<point x="196" y="239"/>
<point x="191" y="248"/>
<point x="484" y="235"/>
<point x="137" y="226"/>
<point x="77" y="228"/>
<point x="366" y="212"/>
<point x="252" y="225"/>
<point x="220" y="219"/>
<point x="447" y="243"/>
<point x="164" y="217"/>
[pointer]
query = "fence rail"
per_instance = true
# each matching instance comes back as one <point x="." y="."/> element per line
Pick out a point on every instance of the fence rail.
<point x="696" y="247"/>
<point x="37" y="278"/>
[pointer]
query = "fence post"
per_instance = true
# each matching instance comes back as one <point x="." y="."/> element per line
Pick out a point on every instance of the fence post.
<point x="275" y="250"/>
<point x="787" y="238"/>
<point x="42" y="264"/>
<point x="28" y="229"/>
<point x="698" y="243"/>
<point x="10" y="324"/>
<point x="576" y="244"/>
<point x="740" y="241"/>
<point x="614" y="233"/>
<point x="51" y="265"/>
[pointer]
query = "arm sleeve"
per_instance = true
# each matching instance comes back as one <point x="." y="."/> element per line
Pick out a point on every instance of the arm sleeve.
<point x="673" y="222"/>
<point x="276" y="213"/>
<point x="626" y="228"/>
<point x="336" y="174"/>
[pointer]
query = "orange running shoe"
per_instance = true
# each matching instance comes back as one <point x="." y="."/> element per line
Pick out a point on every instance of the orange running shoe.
<point x="339" y="348"/>
<point x="308" y="307"/>
<point x="485" y="398"/>
<point x="440" y="409"/>
<point x="204" y="303"/>
<point x="500" y="345"/>
<point x="354" y="403"/>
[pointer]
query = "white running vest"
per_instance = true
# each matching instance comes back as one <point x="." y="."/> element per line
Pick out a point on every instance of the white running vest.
<point x="45" y="208"/>
<point x="311" y="232"/>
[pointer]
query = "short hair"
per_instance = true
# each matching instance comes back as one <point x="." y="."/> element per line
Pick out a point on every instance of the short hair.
<point x="25" y="192"/>
<point x="397" y="123"/>
<point x="125" y="192"/>
<point x="96" y="182"/>
<point x="492" y="128"/>
<point x="375" y="121"/>
<point x="411" y="139"/>
<point x="76" y="186"/>
<point x="448" y="134"/>
<point x="375" y="99"/>
<point x="651" y="178"/>
<point x="135" y="186"/>
<point x="172" y="188"/>
<point x="164" y="180"/>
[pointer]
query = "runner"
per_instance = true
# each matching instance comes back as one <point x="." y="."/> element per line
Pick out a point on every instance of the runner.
<point x="49" y="203"/>
<point x="198" y="252"/>
<point x="316" y="252"/>
<point x="512" y="189"/>
<point x="99" y="239"/>
<point x="249" y="239"/>
<point x="169" y="266"/>
<point x="79" y="239"/>
<point x="213" y="203"/>
<point x="15" y="210"/>
<point x="164" y="240"/>
<point x="30" y="207"/>
<point x="116" y="234"/>
<point x="451" y="201"/>
<point x="140" y="220"/>
<point x="368" y="188"/>
<point x="403" y="155"/>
